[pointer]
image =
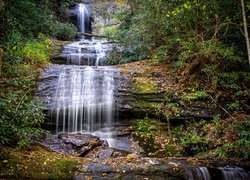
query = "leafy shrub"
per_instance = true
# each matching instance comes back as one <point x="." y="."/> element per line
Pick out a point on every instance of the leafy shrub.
<point x="146" y="125"/>
<point x="37" y="51"/>
<point x="192" y="137"/>
<point x="17" y="70"/>
<point x="20" y="119"/>
<point x="19" y="53"/>
<point x="65" y="31"/>
<point x="109" y="31"/>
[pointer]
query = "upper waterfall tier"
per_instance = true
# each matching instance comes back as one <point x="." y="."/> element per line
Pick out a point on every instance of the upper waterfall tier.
<point x="83" y="18"/>
<point x="86" y="52"/>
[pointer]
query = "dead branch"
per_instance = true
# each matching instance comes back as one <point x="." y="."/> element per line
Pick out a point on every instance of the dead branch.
<point x="222" y="107"/>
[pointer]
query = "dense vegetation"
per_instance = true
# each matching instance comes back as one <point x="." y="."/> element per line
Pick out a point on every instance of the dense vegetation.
<point x="204" y="43"/>
<point x="26" y="29"/>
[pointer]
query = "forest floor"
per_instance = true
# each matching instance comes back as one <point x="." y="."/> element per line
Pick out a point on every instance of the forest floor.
<point x="39" y="163"/>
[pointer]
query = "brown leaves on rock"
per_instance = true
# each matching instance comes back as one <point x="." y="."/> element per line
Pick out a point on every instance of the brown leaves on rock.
<point x="159" y="76"/>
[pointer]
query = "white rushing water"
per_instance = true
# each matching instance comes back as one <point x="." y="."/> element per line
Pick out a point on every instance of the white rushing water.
<point x="82" y="14"/>
<point x="84" y="99"/>
<point x="86" y="52"/>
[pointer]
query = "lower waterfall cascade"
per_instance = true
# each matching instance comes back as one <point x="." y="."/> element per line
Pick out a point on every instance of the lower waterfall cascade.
<point x="84" y="99"/>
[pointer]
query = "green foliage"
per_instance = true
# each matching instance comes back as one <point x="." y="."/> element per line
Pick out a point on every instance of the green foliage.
<point x="181" y="32"/>
<point x="196" y="138"/>
<point x="242" y="145"/>
<point x="25" y="27"/>
<point x="25" y="17"/>
<point x="17" y="70"/>
<point x="65" y="31"/>
<point x="109" y="31"/>
<point x="20" y="118"/>
<point x="156" y="24"/>
<point x="173" y="101"/>
<point x="31" y="17"/>
<point x="23" y="144"/>
<point x="152" y="136"/>
<point x="160" y="55"/>
<point x="146" y="125"/>
<point x="114" y="56"/>
<point x="37" y="51"/>
<point x="192" y="137"/>
<point x="20" y="54"/>
<point x="194" y="95"/>
<point x="65" y="165"/>
<point x="237" y="145"/>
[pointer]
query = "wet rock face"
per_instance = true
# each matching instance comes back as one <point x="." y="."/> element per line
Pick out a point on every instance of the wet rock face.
<point x="141" y="94"/>
<point x="84" y="52"/>
<point x="49" y="80"/>
<point x="73" y="144"/>
<point x="82" y="145"/>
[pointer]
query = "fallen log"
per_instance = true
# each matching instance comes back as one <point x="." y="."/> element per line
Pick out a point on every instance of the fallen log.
<point x="92" y="35"/>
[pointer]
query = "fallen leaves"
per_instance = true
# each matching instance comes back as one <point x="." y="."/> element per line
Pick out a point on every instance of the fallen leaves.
<point x="132" y="156"/>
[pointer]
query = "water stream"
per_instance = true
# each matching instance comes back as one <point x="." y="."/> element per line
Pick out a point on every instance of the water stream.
<point x="83" y="101"/>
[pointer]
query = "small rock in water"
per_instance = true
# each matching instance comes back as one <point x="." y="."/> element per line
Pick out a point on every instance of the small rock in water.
<point x="105" y="143"/>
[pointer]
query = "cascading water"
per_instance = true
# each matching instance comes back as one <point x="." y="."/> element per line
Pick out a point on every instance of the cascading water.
<point x="100" y="54"/>
<point x="86" y="52"/>
<point x="84" y="100"/>
<point x="82" y="16"/>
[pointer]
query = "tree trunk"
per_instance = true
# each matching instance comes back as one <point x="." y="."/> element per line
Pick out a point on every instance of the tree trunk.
<point x="1" y="62"/>
<point x="132" y="6"/>
<point x="46" y="6"/>
<point x="245" y="29"/>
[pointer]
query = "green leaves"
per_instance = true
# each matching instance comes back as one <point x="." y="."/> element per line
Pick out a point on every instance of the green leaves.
<point x="65" y="31"/>
<point x="20" y="118"/>
<point x="186" y="5"/>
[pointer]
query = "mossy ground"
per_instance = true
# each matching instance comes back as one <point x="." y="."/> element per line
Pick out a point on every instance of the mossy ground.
<point x="36" y="163"/>
<point x="57" y="47"/>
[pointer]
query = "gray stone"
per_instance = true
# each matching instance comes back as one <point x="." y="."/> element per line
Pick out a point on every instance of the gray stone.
<point x="97" y="167"/>
<point x="105" y="153"/>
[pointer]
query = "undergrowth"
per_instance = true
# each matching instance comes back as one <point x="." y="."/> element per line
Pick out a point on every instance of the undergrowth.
<point x="217" y="138"/>
<point x="21" y="115"/>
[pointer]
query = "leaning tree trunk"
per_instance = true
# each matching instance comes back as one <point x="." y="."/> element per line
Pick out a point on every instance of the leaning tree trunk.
<point x="132" y="6"/>
<point x="1" y="62"/>
<point x="245" y="29"/>
<point x="46" y="6"/>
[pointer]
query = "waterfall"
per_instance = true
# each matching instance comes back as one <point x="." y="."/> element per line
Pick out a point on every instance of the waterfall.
<point x="199" y="173"/>
<point x="84" y="94"/>
<point x="100" y="54"/>
<point x="84" y="99"/>
<point x="86" y="52"/>
<point x="234" y="173"/>
<point x="82" y="16"/>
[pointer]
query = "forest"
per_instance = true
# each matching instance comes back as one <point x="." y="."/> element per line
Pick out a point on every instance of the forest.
<point x="167" y="78"/>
